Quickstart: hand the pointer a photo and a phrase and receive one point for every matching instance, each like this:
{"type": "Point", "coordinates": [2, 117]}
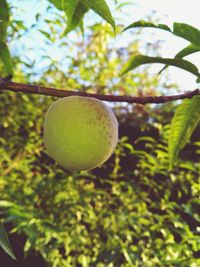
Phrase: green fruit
{"type": "Point", "coordinates": [80, 133]}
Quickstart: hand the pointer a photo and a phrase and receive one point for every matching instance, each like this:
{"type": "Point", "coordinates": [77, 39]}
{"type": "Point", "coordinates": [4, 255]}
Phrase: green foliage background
{"type": "Point", "coordinates": [129, 212]}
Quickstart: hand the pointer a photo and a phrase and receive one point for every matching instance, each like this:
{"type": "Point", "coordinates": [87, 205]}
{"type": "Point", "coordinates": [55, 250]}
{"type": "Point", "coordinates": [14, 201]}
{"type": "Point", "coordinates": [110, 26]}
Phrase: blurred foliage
{"type": "Point", "coordinates": [131, 211]}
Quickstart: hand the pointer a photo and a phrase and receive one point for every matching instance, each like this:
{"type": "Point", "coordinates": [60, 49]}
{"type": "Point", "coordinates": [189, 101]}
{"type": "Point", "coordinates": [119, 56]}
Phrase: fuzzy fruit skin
{"type": "Point", "coordinates": [80, 133]}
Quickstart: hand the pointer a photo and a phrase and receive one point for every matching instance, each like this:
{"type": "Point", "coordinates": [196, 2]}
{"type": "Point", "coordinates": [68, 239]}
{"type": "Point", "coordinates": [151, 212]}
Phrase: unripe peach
{"type": "Point", "coordinates": [80, 133]}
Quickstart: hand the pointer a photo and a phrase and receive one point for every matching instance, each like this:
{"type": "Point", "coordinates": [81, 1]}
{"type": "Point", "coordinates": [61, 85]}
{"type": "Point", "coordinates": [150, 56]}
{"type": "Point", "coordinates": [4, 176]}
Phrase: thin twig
{"type": "Point", "coordinates": [48, 91]}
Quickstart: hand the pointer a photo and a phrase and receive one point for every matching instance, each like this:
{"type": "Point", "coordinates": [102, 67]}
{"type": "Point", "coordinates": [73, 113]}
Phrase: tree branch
{"type": "Point", "coordinates": [7, 85]}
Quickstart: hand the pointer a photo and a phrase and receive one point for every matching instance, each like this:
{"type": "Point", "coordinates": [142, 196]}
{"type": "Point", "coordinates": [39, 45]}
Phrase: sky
{"type": "Point", "coordinates": [166, 11]}
{"type": "Point", "coordinates": [173, 10]}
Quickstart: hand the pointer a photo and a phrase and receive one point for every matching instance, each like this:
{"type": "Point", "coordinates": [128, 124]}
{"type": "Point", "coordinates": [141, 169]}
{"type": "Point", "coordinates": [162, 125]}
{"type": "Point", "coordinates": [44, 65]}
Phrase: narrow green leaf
{"type": "Point", "coordinates": [4, 10]}
{"type": "Point", "coordinates": [69, 6]}
{"type": "Point", "coordinates": [3, 30]}
{"type": "Point", "coordinates": [57, 4]}
{"type": "Point", "coordinates": [146, 24]}
{"type": "Point", "coordinates": [185, 120]}
{"type": "Point", "coordinates": [4, 242]}
{"type": "Point", "coordinates": [187, 32]}
{"type": "Point", "coordinates": [6, 58]}
{"type": "Point", "coordinates": [46, 34]}
{"type": "Point", "coordinates": [188, 50]}
{"type": "Point", "coordinates": [75, 10]}
{"type": "Point", "coordinates": [4, 19]}
{"type": "Point", "coordinates": [183, 30]}
{"type": "Point", "coordinates": [102, 9]}
{"type": "Point", "coordinates": [139, 60]}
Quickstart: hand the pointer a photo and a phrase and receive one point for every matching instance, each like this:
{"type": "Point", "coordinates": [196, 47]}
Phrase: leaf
{"type": "Point", "coordinates": [146, 24]}
{"type": "Point", "coordinates": [46, 34]}
{"type": "Point", "coordinates": [57, 3]}
{"type": "Point", "coordinates": [102, 9]}
{"type": "Point", "coordinates": [74, 11]}
{"type": "Point", "coordinates": [183, 30]}
{"type": "Point", "coordinates": [4, 19]}
{"type": "Point", "coordinates": [187, 32]}
{"type": "Point", "coordinates": [139, 60]}
{"type": "Point", "coordinates": [6, 58]}
{"type": "Point", "coordinates": [4, 242]}
{"type": "Point", "coordinates": [188, 50]}
{"type": "Point", "coordinates": [184, 122]}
